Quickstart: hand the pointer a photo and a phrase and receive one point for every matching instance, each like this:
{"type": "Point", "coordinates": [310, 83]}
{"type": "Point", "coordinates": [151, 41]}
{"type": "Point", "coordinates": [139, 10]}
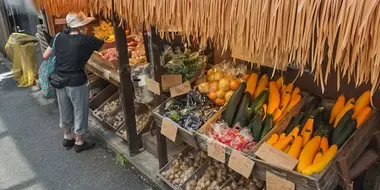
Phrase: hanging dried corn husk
{"type": "Point", "coordinates": [342, 35]}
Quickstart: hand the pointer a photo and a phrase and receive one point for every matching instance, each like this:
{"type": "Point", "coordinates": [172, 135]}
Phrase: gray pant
{"type": "Point", "coordinates": [73, 108]}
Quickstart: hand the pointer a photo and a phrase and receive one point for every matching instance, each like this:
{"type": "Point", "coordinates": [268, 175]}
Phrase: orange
{"type": "Point", "coordinates": [234, 84]}
{"type": "Point", "coordinates": [212, 95]}
{"type": "Point", "coordinates": [219, 101]}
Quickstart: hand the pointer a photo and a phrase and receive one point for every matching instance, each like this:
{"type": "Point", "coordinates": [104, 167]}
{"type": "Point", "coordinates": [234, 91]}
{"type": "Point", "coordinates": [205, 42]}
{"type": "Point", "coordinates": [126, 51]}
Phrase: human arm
{"type": "Point", "coordinates": [47, 53]}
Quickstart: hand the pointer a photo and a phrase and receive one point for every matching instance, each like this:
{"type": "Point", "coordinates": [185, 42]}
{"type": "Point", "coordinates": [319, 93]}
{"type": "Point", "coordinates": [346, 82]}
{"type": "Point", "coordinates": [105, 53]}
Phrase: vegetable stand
{"type": "Point", "coordinates": [280, 42]}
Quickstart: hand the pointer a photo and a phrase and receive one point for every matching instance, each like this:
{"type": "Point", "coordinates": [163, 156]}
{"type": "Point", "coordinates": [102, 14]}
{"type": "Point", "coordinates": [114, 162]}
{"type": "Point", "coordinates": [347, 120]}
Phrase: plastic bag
{"type": "Point", "coordinates": [20, 48]}
{"type": "Point", "coordinates": [46, 68]}
{"type": "Point", "coordinates": [138, 74]}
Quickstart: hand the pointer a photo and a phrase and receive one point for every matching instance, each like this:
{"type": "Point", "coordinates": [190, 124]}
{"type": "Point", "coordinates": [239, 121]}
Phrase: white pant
{"type": "Point", "coordinates": [73, 108]}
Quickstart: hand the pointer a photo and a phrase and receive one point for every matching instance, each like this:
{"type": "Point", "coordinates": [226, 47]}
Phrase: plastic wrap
{"type": "Point", "coordinates": [138, 74]}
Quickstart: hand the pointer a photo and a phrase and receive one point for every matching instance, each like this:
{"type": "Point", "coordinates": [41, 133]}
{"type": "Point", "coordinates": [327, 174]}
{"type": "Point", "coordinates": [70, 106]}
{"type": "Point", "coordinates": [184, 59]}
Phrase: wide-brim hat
{"type": "Point", "coordinates": [76, 20]}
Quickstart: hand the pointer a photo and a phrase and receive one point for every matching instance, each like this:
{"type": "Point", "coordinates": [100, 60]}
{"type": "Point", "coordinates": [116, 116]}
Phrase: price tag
{"type": "Point", "coordinates": [59, 21]}
{"type": "Point", "coordinates": [152, 86]}
{"type": "Point", "coordinates": [274, 156]}
{"type": "Point", "coordinates": [180, 89]}
{"type": "Point", "coordinates": [106, 74]}
{"type": "Point", "coordinates": [142, 81]}
{"type": "Point", "coordinates": [169, 129]}
{"type": "Point", "coordinates": [274, 182]}
{"type": "Point", "coordinates": [169, 81]}
{"type": "Point", "coordinates": [241, 164]}
{"type": "Point", "coordinates": [216, 150]}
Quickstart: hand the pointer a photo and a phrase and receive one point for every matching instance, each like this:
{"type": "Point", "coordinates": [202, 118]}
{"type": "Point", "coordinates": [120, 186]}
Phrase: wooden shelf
{"type": "Point", "coordinates": [103, 70]}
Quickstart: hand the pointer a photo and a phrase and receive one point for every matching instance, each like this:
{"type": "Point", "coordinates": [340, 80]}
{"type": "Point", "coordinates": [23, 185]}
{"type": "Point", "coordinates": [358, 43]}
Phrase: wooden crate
{"type": "Point", "coordinates": [199, 173]}
{"type": "Point", "coordinates": [184, 152]}
{"type": "Point", "coordinates": [329, 178]}
{"type": "Point", "coordinates": [187, 136]}
{"type": "Point", "coordinates": [284, 121]}
{"type": "Point", "coordinates": [102, 120]}
{"type": "Point", "coordinates": [102, 97]}
{"type": "Point", "coordinates": [113, 64]}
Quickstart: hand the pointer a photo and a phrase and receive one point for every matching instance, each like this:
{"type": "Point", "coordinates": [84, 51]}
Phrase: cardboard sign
{"type": "Point", "coordinates": [274, 182]}
{"type": "Point", "coordinates": [59, 21]}
{"type": "Point", "coordinates": [169, 81]}
{"type": "Point", "coordinates": [169, 129]}
{"type": "Point", "coordinates": [276, 157]}
{"type": "Point", "coordinates": [241, 164]}
{"type": "Point", "coordinates": [152, 86]}
{"type": "Point", "coordinates": [216, 150]}
{"type": "Point", "coordinates": [180, 89]}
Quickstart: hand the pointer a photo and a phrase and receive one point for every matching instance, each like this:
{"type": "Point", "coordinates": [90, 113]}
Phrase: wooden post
{"type": "Point", "coordinates": [126, 88]}
{"type": "Point", "coordinates": [155, 47]}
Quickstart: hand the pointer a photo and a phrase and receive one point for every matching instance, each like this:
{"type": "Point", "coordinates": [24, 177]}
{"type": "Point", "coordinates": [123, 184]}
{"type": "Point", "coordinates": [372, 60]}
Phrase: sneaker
{"type": "Point", "coordinates": [68, 143]}
{"type": "Point", "coordinates": [84, 146]}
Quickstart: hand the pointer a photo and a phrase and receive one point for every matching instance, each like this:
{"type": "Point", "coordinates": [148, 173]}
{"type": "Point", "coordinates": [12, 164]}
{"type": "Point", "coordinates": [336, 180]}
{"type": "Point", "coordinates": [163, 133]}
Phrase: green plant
{"type": "Point", "coordinates": [121, 160]}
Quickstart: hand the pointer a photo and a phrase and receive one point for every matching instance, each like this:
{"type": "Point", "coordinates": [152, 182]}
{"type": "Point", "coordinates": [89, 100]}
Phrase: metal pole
{"type": "Point", "coordinates": [126, 87]}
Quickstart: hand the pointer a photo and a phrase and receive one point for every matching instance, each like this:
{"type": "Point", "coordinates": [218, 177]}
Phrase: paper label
{"type": "Point", "coordinates": [152, 86]}
{"type": "Point", "coordinates": [169, 129]}
{"type": "Point", "coordinates": [180, 89]}
{"type": "Point", "coordinates": [241, 164]}
{"type": "Point", "coordinates": [216, 150]}
{"type": "Point", "coordinates": [169, 81]}
{"type": "Point", "coordinates": [276, 157]}
{"type": "Point", "coordinates": [142, 81]}
{"type": "Point", "coordinates": [274, 182]}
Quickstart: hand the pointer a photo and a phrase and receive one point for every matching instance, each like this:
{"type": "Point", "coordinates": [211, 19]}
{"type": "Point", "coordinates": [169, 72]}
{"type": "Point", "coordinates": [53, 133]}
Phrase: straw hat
{"type": "Point", "coordinates": [75, 20]}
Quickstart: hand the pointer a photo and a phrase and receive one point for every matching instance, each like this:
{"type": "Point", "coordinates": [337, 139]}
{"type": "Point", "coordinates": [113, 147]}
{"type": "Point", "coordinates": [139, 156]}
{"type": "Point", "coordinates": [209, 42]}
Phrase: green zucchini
{"type": "Point", "coordinates": [326, 115]}
{"type": "Point", "coordinates": [312, 114]}
{"type": "Point", "coordinates": [242, 116]}
{"type": "Point", "coordinates": [341, 125]}
{"type": "Point", "coordinates": [345, 133]}
{"type": "Point", "coordinates": [258, 103]}
{"type": "Point", "coordinates": [230, 112]}
{"type": "Point", "coordinates": [268, 125]}
{"type": "Point", "coordinates": [324, 130]}
{"type": "Point", "coordinates": [295, 121]}
{"type": "Point", "coordinates": [256, 127]}
{"type": "Point", "coordinates": [311, 105]}
{"type": "Point", "coordinates": [317, 121]}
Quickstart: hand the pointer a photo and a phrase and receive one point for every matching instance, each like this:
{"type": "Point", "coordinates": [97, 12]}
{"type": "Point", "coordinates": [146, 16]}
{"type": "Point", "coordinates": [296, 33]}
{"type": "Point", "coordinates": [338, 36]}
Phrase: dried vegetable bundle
{"type": "Point", "coordinates": [316, 34]}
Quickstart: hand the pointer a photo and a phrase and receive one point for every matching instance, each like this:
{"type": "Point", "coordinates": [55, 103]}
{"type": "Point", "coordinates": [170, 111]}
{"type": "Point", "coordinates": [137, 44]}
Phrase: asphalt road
{"type": "Point", "coordinates": [31, 152]}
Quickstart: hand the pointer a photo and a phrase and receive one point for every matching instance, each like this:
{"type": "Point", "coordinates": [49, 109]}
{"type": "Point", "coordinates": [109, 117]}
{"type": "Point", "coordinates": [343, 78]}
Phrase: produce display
{"type": "Point", "coordinates": [315, 135]}
{"type": "Point", "coordinates": [104, 31]}
{"type": "Point", "coordinates": [186, 63]}
{"type": "Point", "coordinates": [191, 110]}
{"type": "Point", "coordinates": [215, 175]}
{"type": "Point", "coordinates": [182, 167]}
{"type": "Point", "coordinates": [108, 109]}
{"type": "Point", "coordinates": [136, 51]}
{"type": "Point", "coordinates": [219, 176]}
{"type": "Point", "coordinates": [116, 120]}
{"type": "Point", "coordinates": [221, 81]}
{"type": "Point", "coordinates": [252, 111]}
{"type": "Point", "coordinates": [241, 183]}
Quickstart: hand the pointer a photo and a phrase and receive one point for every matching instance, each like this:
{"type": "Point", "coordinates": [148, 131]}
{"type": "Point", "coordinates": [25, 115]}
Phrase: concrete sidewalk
{"type": "Point", "coordinates": [31, 152]}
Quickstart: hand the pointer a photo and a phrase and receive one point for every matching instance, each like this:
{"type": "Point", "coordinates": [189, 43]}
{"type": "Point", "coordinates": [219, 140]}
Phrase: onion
{"type": "Point", "coordinates": [224, 84]}
{"type": "Point", "coordinates": [204, 87]}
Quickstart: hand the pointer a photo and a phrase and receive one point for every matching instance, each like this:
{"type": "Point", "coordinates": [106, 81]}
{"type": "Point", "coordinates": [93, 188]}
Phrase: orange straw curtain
{"type": "Point", "coordinates": [339, 34]}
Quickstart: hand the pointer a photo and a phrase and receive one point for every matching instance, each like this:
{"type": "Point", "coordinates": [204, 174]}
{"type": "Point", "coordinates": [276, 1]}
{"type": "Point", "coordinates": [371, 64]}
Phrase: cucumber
{"type": "Point", "coordinates": [345, 133]}
{"type": "Point", "coordinates": [268, 124]}
{"type": "Point", "coordinates": [242, 116]}
{"type": "Point", "coordinates": [295, 121]}
{"type": "Point", "coordinates": [341, 125]}
{"type": "Point", "coordinates": [230, 112]}
{"type": "Point", "coordinates": [256, 127]}
{"type": "Point", "coordinates": [258, 102]}
{"type": "Point", "coordinates": [324, 130]}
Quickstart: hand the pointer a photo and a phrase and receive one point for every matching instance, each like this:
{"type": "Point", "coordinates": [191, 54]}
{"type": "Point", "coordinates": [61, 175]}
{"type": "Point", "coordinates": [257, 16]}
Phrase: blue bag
{"type": "Point", "coordinates": [46, 68]}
